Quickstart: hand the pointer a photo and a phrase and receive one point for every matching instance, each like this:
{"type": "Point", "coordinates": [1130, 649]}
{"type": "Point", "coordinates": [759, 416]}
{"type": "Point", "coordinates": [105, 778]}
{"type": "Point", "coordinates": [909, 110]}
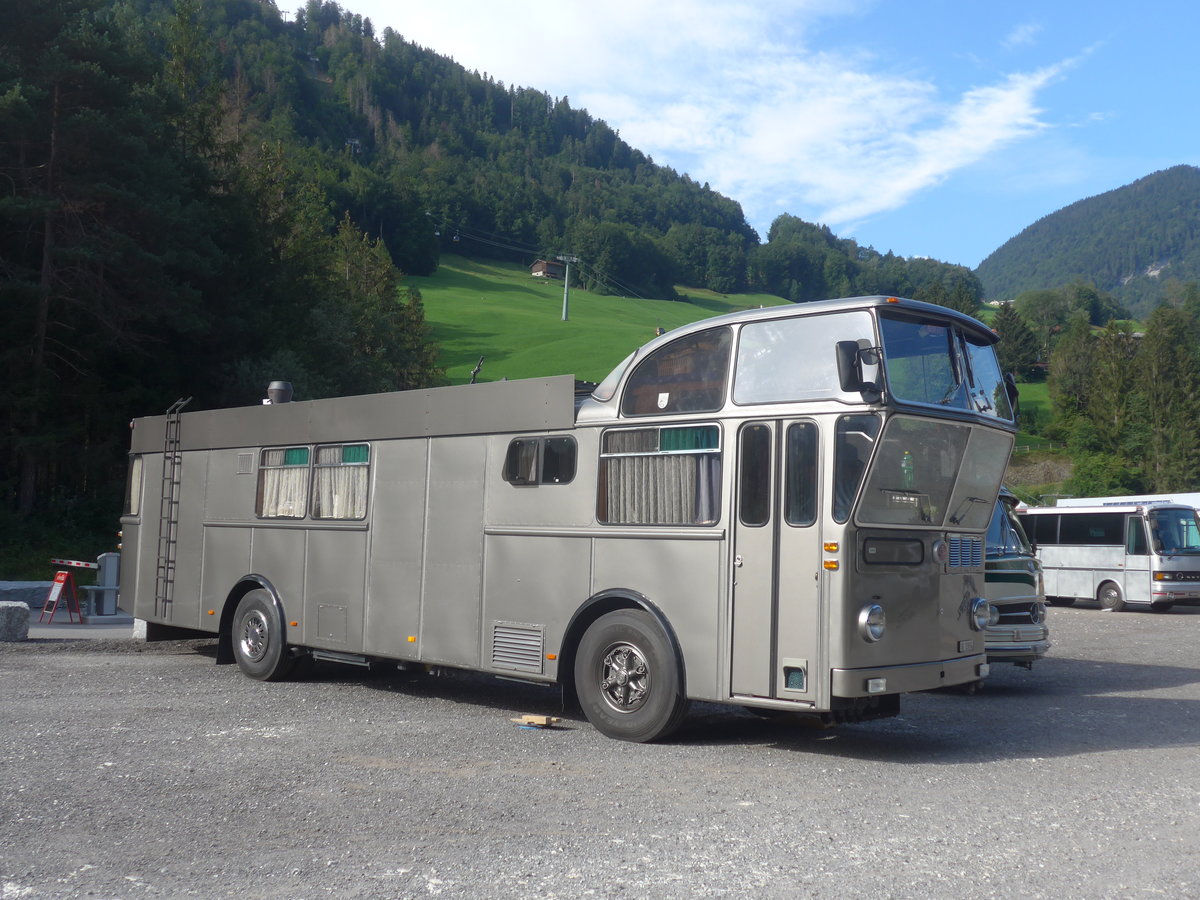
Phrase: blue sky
{"type": "Point", "coordinates": [925, 127]}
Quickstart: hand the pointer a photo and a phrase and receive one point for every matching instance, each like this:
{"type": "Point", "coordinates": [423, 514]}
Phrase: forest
{"type": "Point", "coordinates": [198, 195]}
{"type": "Point", "coordinates": [1139, 242]}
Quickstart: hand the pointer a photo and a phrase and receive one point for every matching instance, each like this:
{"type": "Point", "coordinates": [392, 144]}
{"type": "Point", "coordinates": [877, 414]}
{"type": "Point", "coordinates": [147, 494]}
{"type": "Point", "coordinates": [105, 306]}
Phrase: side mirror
{"type": "Point", "coordinates": [853, 357]}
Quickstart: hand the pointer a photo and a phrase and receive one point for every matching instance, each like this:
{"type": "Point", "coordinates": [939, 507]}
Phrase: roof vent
{"type": "Point", "coordinates": [278, 392]}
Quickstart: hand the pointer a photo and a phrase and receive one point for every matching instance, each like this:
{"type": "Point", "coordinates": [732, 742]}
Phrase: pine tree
{"type": "Point", "coordinates": [1169, 379]}
{"type": "Point", "coordinates": [1018, 348]}
{"type": "Point", "coordinates": [1070, 369]}
{"type": "Point", "coordinates": [1110, 382]}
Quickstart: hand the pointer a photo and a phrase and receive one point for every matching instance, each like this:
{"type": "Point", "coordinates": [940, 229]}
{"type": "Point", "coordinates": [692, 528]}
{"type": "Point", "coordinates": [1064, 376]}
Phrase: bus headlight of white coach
{"type": "Point", "coordinates": [872, 621]}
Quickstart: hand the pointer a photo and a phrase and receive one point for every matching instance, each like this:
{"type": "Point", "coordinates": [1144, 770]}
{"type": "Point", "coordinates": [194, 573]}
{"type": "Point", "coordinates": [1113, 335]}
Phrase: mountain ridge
{"type": "Point", "coordinates": [1133, 242]}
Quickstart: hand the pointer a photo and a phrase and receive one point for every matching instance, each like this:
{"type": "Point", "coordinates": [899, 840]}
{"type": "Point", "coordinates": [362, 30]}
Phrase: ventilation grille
{"type": "Point", "coordinates": [245, 463]}
{"type": "Point", "coordinates": [517, 648]}
{"type": "Point", "coordinates": [966, 552]}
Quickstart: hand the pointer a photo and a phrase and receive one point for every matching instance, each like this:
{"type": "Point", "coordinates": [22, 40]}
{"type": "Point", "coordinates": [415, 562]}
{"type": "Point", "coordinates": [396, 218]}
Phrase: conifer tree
{"type": "Point", "coordinates": [1018, 347]}
{"type": "Point", "coordinates": [1168, 373]}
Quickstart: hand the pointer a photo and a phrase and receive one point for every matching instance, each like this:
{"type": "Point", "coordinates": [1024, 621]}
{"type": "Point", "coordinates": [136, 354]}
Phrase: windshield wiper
{"type": "Point", "coordinates": [957, 518]}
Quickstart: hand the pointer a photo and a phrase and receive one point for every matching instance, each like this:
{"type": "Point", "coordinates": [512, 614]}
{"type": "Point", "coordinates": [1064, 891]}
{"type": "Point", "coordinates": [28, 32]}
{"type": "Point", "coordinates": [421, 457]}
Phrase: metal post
{"type": "Point", "coordinates": [567, 282]}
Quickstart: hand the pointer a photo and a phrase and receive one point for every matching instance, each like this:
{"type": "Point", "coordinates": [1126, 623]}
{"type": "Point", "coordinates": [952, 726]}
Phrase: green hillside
{"type": "Point", "coordinates": [1138, 243]}
{"type": "Point", "coordinates": [499, 311]}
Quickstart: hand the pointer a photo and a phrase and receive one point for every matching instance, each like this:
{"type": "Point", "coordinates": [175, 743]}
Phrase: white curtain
{"type": "Point", "coordinates": [671, 489]}
{"type": "Point", "coordinates": [284, 490]}
{"type": "Point", "coordinates": [340, 491]}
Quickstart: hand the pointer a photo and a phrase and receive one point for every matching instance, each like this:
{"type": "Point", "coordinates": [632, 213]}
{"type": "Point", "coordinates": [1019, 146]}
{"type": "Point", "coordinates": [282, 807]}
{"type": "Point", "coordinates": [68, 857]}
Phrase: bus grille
{"type": "Point", "coordinates": [966, 552]}
{"type": "Point", "coordinates": [517, 648]}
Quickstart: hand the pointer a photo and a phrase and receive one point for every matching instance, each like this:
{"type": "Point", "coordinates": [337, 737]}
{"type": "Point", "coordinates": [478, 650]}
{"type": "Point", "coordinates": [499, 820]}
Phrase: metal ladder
{"type": "Point", "coordinates": [168, 511]}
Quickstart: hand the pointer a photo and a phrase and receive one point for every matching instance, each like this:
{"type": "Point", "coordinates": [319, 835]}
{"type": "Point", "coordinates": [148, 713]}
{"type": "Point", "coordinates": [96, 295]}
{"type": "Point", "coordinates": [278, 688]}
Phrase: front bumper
{"type": "Point", "coordinates": [907, 679]}
{"type": "Point", "coordinates": [1017, 643]}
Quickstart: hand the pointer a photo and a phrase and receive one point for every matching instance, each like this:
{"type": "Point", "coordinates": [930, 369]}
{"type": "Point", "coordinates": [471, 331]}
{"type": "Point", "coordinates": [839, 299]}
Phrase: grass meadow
{"type": "Point", "coordinates": [499, 311]}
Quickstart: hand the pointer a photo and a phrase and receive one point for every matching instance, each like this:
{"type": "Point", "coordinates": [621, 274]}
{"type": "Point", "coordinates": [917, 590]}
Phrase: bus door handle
{"type": "Point", "coordinates": [737, 561]}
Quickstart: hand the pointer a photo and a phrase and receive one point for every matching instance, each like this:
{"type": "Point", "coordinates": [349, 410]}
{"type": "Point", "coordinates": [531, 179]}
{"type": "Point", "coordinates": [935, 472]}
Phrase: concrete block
{"type": "Point", "coordinates": [32, 593]}
{"type": "Point", "coordinates": [14, 620]}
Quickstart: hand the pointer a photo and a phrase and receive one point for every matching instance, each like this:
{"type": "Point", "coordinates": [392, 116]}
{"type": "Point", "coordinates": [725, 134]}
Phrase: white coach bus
{"type": "Point", "coordinates": [781, 508]}
{"type": "Point", "coordinates": [1119, 554]}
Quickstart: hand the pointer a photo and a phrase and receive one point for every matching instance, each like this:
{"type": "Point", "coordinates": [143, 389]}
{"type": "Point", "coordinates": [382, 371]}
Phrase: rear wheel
{"type": "Point", "coordinates": [1110, 597]}
{"type": "Point", "coordinates": [627, 678]}
{"type": "Point", "coordinates": [258, 644]}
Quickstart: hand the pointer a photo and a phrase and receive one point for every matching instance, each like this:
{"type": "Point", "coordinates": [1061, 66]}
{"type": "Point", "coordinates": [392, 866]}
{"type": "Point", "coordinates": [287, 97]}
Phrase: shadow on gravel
{"type": "Point", "coordinates": [1064, 707]}
{"type": "Point", "coordinates": [451, 685]}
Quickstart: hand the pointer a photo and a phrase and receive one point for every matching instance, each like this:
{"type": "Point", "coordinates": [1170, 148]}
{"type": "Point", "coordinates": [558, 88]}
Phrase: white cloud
{"type": "Point", "coordinates": [733, 94]}
{"type": "Point", "coordinates": [1022, 36]}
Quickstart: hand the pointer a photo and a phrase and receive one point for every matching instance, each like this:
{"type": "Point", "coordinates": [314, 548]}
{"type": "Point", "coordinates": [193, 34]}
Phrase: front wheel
{"type": "Point", "coordinates": [627, 678]}
{"type": "Point", "coordinates": [258, 644]}
{"type": "Point", "coordinates": [1110, 597]}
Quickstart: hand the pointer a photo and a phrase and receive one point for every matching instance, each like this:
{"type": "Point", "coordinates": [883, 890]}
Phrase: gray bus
{"type": "Point", "coordinates": [781, 508]}
{"type": "Point", "coordinates": [1134, 555]}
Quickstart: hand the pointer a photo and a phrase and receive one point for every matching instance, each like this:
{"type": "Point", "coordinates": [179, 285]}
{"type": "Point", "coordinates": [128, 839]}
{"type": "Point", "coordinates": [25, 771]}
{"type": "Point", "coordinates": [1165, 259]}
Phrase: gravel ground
{"type": "Point", "coordinates": [132, 770]}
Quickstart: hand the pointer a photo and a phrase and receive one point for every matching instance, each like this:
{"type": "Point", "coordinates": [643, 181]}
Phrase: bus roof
{"type": "Point", "coordinates": [532, 404]}
{"type": "Point", "coordinates": [1112, 508]}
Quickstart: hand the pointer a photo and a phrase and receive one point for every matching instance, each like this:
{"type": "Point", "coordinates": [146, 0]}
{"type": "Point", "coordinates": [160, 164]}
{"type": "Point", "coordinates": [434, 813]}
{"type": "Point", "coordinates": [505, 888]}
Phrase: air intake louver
{"type": "Point", "coordinates": [517, 647]}
{"type": "Point", "coordinates": [966, 552]}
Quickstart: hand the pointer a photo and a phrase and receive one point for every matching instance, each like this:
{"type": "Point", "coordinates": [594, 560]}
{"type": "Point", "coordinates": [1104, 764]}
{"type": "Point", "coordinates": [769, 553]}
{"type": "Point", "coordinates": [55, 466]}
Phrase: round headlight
{"type": "Point", "coordinates": [981, 612]}
{"type": "Point", "coordinates": [993, 615]}
{"type": "Point", "coordinates": [941, 552]}
{"type": "Point", "coordinates": [871, 622]}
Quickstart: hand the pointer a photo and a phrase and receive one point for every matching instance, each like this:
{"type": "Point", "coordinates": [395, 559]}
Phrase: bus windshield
{"type": "Point", "coordinates": [934, 362]}
{"type": "Point", "coordinates": [926, 472]}
{"type": "Point", "coordinates": [1174, 531]}
{"type": "Point", "coordinates": [1005, 536]}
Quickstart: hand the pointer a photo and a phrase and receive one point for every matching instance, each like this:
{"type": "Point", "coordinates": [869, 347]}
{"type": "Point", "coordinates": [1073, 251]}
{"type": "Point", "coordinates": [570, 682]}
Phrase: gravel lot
{"type": "Point", "coordinates": [132, 770]}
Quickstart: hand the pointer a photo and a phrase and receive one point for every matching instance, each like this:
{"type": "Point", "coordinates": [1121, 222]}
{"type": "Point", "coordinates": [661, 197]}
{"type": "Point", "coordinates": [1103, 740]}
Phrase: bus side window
{"type": "Point", "coordinates": [754, 485]}
{"type": "Point", "coordinates": [687, 375]}
{"type": "Point", "coordinates": [1135, 537]}
{"type": "Point", "coordinates": [133, 487]}
{"type": "Point", "coordinates": [283, 475]}
{"type": "Point", "coordinates": [341, 481]}
{"type": "Point", "coordinates": [855, 435]}
{"type": "Point", "coordinates": [540, 461]}
{"type": "Point", "coordinates": [801, 477]}
{"type": "Point", "coordinates": [668, 475]}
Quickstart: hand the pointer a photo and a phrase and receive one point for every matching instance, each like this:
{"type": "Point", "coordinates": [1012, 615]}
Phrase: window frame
{"type": "Point", "coordinates": [708, 476]}
{"type": "Point", "coordinates": [264, 468]}
{"type": "Point", "coordinates": [318, 467]}
{"type": "Point", "coordinates": [714, 375]}
{"type": "Point", "coordinates": [541, 444]}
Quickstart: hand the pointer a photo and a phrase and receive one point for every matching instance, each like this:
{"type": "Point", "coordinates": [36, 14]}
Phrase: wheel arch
{"type": "Point", "coordinates": [599, 605]}
{"type": "Point", "coordinates": [245, 585]}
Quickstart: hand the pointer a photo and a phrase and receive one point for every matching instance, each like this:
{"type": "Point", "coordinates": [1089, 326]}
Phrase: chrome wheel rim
{"type": "Point", "coordinates": [253, 640]}
{"type": "Point", "coordinates": [624, 678]}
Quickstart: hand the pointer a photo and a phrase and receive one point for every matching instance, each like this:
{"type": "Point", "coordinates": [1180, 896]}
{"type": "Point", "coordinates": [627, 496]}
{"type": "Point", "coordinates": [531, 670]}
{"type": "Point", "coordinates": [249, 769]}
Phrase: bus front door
{"type": "Point", "coordinates": [776, 566]}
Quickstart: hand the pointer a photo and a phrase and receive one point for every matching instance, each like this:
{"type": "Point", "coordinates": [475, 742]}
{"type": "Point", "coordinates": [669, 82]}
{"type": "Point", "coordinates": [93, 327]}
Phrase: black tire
{"type": "Point", "coordinates": [627, 678]}
{"type": "Point", "coordinates": [1110, 597]}
{"type": "Point", "coordinates": [1061, 601]}
{"type": "Point", "coordinates": [258, 638]}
